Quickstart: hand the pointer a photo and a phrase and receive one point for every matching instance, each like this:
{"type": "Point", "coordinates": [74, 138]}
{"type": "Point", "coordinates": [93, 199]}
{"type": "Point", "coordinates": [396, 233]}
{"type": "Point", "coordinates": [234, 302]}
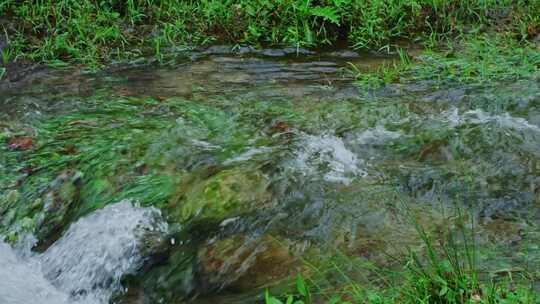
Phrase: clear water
{"type": "Point", "coordinates": [329, 167]}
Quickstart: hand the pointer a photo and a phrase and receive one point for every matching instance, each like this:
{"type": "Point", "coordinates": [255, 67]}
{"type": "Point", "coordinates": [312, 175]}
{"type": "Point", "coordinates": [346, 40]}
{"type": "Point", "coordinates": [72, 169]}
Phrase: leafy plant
{"type": "Point", "coordinates": [303, 297]}
{"type": "Point", "coordinates": [96, 32]}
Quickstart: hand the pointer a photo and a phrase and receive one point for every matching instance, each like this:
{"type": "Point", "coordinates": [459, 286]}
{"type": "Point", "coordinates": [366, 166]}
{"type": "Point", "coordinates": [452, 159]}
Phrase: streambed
{"type": "Point", "coordinates": [238, 167]}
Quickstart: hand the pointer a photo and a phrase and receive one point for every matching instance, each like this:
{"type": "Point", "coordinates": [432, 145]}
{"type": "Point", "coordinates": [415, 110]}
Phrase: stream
{"type": "Point", "coordinates": [222, 172]}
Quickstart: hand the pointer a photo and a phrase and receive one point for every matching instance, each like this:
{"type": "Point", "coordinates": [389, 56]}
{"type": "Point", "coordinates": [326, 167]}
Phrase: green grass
{"type": "Point", "coordinates": [470, 59]}
{"type": "Point", "coordinates": [444, 271]}
{"type": "Point", "coordinates": [95, 32]}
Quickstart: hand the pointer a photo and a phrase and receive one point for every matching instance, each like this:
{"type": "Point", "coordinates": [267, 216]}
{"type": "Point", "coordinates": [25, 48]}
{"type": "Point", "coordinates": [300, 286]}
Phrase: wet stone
{"type": "Point", "coordinates": [344, 54]}
{"type": "Point", "coordinates": [243, 50]}
{"type": "Point", "coordinates": [242, 263]}
{"type": "Point", "coordinates": [285, 52]}
{"type": "Point", "coordinates": [60, 202]}
{"type": "Point", "coordinates": [273, 53]}
{"type": "Point", "coordinates": [226, 194]}
{"type": "Point", "coordinates": [218, 50]}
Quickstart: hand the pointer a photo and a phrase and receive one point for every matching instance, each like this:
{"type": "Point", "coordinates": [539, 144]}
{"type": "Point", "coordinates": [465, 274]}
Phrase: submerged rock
{"type": "Point", "coordinates": [60, 201]}
{"type": "Point", "coordinates": [8, 200]}
{"type": "Point", "coordinates": [242, 263]}
{"type": "Point", "coordinates": [228, 193]}
{"type": "Point", "coordinates": [172, 281]}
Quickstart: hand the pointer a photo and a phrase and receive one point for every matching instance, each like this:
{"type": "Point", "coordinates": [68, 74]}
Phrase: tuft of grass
{"type": "Point", "coordinates": [443, 272]}
{"type": "Point", "coordinates": [384, 74]}
{"type": "Point", "coordinates": [472, 59]}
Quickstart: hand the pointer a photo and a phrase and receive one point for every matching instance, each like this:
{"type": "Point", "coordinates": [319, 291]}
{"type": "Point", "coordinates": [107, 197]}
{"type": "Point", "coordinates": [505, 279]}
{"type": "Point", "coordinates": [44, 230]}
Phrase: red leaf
{"type": "Point", "coordinates": [21, 143]}
{"type": "Point", "coordinates": [281, 126]}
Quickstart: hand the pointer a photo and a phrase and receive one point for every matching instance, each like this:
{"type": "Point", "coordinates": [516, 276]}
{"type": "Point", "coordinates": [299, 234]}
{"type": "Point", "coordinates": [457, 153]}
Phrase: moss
{"type": "Point", "coordinates": [228, 193]}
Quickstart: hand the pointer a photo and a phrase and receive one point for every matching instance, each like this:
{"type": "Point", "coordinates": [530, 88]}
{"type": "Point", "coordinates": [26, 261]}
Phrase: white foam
{"type": "Point", "coordinates": [247, 155]}
{"type": "Point", "coordinates": [479, 116]}
{"type": "Point", "coordinates": [327, 154]}
{"type": "Point", "coordinates": [23, 283]}
{"type": "Point", "coordinates": [374, 136]}
{"type": "Point", "coordinates": [86, 264]}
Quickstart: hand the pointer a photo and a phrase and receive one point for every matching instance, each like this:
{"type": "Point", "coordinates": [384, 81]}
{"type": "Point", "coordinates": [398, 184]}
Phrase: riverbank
{"type": "Point", "coordinates": [96, 33]}
{"type": "Point", "coordinates": [338, 171]}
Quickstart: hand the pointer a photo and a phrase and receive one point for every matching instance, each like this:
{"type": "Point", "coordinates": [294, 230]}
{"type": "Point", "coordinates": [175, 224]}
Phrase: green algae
{"type": "Point", "coordinates": [203, 160]}
{"type": "Point", "coordinates": [226, 194]}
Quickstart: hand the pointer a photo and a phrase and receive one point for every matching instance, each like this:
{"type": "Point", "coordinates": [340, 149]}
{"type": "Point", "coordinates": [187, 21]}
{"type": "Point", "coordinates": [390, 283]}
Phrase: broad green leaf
{"type": "Point", "coordinates": [327, 13]}
{"type": "Point", "coordinates": [290, 299]}
{"type": "Point", "coordinates": [301, 286]}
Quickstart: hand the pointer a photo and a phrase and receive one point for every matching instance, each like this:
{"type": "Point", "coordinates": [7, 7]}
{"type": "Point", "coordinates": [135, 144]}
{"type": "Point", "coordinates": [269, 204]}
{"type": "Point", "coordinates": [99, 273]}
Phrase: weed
{"type": "Point", "coordinates": [445, 272]}
{"type": "Point", "coordinates": [95, 32]}
{"type": "Point", "coordinates": [472, 59]}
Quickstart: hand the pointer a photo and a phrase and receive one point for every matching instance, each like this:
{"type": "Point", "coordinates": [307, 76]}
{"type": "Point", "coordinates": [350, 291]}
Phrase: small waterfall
{"type": "Point", "coordinates": [85, 265]}
{"type": "Point", "coordinates": [22, 281]}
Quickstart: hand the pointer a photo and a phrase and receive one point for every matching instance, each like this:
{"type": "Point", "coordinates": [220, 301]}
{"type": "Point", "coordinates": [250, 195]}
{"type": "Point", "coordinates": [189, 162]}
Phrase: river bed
{"type": "Point", "coordinates": [220, 173]}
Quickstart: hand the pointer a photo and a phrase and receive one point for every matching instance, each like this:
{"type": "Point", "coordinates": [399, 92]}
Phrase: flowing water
{"type": "Point", "coordinates": [86, 264]}
{"type": "Point", "coordinates": [221, 172]}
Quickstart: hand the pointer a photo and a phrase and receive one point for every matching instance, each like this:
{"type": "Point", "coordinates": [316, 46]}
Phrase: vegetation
{"type": "Point", "coordinates": [188, 157]}
{"type": "Point", "coordinates": [471, 59]}
{"type": "Point", "coordinates": [94, 32]}
{"type": "Point", "coordinates": [445, 272]}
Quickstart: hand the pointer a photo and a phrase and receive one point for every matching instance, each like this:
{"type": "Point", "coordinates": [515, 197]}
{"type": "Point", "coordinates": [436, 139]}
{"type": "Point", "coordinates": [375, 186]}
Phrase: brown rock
{"type": "Point", "coordinates": [242, 263]}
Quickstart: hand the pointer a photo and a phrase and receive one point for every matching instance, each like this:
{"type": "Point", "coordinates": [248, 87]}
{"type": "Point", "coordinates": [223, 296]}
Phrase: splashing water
{"type": "Point", "coordinates": [23, 283]}
{"type": "Point", "coordinates": [84, 266]}
{"type": "Point", "coordinates": [374, 136]}
{"type": "Point", "coordinates": [477, 116]}
{"type": "Point", "coordinates": [329, 154]}
{"type": "Point", "coordinates": [247, 155]}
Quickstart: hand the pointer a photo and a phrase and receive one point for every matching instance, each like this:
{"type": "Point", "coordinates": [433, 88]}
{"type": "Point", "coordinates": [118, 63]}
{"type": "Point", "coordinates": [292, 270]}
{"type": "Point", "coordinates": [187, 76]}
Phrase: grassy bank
{"type": "Point", "coordinates": [444, 271]}
{"type": "Point", "coordinates": [95, 32]}
{"type": "Point", "coordinates": [470, 59]}
{"type": "Point", "coordinates": [108, 148]}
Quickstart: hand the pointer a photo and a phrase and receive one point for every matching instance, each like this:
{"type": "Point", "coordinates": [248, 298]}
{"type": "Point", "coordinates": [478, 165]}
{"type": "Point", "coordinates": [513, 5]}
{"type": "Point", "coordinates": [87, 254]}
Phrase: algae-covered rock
{"type": "Point", "coordinates": [226, 194]}
{"type": "Point", "coordinates": [238, 263]}
{"type": "Point", "coordinates": [8, 200]}
{"type": "Point", "coordinates": [243, 263]}
{"type": "Point", "coordinates": [45, 214]}
{"type": "Point", "coordinates": [60, 201]}
{"type": "Point", "coordinates": [173, 280]}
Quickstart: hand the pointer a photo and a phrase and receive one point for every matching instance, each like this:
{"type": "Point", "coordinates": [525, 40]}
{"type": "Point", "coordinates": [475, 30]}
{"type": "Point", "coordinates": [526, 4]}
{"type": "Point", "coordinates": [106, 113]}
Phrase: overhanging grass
{"type": "Point", "coordinates": [97, 31]}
